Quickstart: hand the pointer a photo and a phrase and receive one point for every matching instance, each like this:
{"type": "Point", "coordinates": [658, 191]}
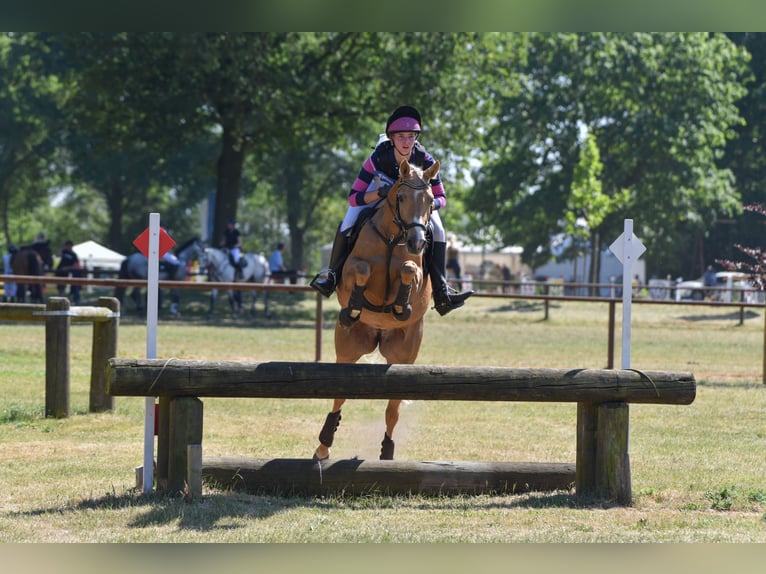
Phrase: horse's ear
{"type": "Point", "coordinates": [404, 168]}
{"type": "Point", "coordinates": [431, 172]}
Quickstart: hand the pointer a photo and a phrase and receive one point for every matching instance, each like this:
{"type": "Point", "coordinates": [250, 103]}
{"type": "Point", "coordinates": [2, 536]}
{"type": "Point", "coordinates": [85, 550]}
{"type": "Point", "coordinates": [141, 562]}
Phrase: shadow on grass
{"type": "Point", "coordinates": [217, 509]}
{"type": "Point", "coordinates": [733, 316]}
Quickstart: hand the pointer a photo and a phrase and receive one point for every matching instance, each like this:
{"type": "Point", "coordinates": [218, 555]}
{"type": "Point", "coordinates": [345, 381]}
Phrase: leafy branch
{"type": "Point", "coordinates": [756, 267]}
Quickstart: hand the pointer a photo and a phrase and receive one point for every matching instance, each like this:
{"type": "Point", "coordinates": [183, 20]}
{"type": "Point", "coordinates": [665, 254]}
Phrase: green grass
{"type": "Point", "coordinates": [698, 470]}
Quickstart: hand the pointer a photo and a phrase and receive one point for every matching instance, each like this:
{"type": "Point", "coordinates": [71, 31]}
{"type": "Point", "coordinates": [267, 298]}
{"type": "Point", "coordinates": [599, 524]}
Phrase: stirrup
{"type": "Point", "coordinates": [446, 301]}
{"type": "Point", "coordinates": [324, 284]}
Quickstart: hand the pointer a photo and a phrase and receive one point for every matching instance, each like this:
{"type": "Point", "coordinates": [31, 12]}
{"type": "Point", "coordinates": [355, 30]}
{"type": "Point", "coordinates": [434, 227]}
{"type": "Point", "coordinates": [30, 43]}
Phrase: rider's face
{"type": "Point", "coordinates": [404, 141]}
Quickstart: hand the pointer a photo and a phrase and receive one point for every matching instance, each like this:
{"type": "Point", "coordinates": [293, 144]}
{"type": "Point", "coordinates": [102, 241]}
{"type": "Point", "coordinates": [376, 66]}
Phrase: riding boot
{"type": "Point", "coordinates": [326, 281]}
{"type": "Point", "coordinates": [444, 300]}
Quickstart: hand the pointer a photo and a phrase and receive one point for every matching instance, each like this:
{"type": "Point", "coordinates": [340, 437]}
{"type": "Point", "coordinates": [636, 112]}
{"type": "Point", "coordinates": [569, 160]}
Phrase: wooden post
{"type": "Point", "coordinates": [194, 471]}
{"type": "Point", "coordinates": [104, 348]}
{"type": "Point", "coordinates": [612, 458]}
{"type": "Point", "coordinates": [585, 464]}
{"type": "Point", "coordinates": [185, 429]}
{"type": "Point", "coordinates": [163, 443]}
{"type": "Point", "coordinates": [57, 358]}
{"type": "Point", "coordinates": [610, 342]}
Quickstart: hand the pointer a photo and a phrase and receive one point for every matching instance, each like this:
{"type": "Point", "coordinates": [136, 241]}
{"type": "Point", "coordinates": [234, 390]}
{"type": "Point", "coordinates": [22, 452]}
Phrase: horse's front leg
{"type": "Point", "coordinates": [351, 313]}
{"type": "Point", "coordinates": [327, 434]}
{"type": "Point", "coordinates": [402, 308]}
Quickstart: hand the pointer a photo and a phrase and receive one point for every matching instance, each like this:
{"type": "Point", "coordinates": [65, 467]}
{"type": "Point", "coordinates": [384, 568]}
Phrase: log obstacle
{"type": "Point", "coordinates": [58, 316]}
{"type": "Point", "coordinates": [293, 476]}
{"type": "Point", "coordinates": [601, 470]}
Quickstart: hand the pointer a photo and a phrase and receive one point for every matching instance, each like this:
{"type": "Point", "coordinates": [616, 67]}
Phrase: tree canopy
{"type": "Point", "coordinates": [535, 131]}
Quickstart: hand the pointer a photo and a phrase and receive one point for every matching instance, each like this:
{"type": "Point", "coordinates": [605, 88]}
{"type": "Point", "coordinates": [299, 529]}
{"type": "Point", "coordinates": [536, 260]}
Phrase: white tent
{"type": "Point", "coordinates": [95, 256]}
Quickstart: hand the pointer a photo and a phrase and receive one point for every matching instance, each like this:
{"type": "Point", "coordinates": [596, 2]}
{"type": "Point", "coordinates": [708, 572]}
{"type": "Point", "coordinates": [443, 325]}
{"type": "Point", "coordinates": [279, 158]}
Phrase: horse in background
{"type": "Point", "coordinates": [34, 259]}
{"type": "Point", "coordinates": [384, 291]}
{"type": "Point", "coordinates": [219, 268]}
{"type": "Point", "coordinates": [136, 266]}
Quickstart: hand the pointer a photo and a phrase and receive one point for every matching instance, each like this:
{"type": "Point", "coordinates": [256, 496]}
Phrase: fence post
{"type": "Point", "coordinates": [57, 357]}
{"type": "Point", "coordinates": [185, 429]}
{"type": "Point", "coordinates": [104, 348]}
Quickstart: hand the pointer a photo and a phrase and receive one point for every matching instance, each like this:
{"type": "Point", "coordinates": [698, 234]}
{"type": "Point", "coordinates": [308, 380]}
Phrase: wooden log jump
{"type": "Point", "coordinates": [296, 476]}
{"type": "Point", "coordinates": [58, 316]}
{"type": "Point", "coordinates": [602, 468]}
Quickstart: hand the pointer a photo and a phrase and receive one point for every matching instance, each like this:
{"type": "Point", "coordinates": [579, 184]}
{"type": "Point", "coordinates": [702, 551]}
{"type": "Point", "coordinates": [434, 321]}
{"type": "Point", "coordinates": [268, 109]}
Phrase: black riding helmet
{"type": "Point", "coordinates": [404, 119]}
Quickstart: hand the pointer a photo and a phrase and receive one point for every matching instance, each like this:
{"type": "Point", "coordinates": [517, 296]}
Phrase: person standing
{"type": "Point", "coordinates": [279, 272]}
{"type": "Point", "coordinates": [69, 264]}
{"type": "Point", "coordinates": [453, 260]}
{"type": "Point", "coordinates": [9, 289]}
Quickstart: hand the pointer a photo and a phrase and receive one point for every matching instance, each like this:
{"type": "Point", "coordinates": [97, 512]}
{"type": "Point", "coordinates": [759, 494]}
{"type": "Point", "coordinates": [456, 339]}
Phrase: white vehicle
{"type": "Point", "coordinates": [729, 286]}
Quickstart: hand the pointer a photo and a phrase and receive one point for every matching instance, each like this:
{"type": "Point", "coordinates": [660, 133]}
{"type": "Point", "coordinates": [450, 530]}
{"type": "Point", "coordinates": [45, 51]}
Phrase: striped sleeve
{"type": "Point", "coordinates": [362, 182]}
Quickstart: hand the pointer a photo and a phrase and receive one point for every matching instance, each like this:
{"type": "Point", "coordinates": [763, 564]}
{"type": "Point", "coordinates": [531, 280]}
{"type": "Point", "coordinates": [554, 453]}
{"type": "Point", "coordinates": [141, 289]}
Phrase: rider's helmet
{"type": "Point", "coordinates": [404, 119]}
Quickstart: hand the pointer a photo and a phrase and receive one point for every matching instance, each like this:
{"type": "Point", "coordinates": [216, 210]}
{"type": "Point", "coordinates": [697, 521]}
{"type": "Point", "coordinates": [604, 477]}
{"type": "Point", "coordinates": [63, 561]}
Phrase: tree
{"type": "Point", "coordinates": [30, 100]}
{"type": "Point", "coordinates": [661, 107]}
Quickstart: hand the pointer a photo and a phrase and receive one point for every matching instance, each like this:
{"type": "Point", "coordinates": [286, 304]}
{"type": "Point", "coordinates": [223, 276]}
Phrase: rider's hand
{"type": "Point", "coordinates": [383, 191]}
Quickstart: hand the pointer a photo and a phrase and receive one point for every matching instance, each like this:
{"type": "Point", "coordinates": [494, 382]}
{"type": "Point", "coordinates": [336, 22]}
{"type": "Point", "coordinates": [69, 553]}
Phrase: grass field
{"type": "Point", "coordinates": [699, 471]}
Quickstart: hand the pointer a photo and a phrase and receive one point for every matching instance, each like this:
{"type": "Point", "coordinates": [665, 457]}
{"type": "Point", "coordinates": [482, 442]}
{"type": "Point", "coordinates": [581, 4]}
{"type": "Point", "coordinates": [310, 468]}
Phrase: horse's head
{"type": "Point", "coordinates": [411, 201]}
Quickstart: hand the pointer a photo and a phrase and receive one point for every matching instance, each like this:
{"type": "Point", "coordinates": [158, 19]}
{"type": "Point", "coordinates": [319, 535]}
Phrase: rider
{"type": "Point", "coordinates": [379, 170]}
{"type": "Point", "coordinates": [233, 242]}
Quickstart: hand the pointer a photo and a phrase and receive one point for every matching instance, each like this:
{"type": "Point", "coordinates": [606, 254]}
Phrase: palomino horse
{"type": "Point", "coordinates": [136, 266]}
{"type": "Point", "coordinates": [220, 269]}
{"type": "Point", "coordinates": [33, 259]}
{"type": "Point", "coordinates": [384, 292]}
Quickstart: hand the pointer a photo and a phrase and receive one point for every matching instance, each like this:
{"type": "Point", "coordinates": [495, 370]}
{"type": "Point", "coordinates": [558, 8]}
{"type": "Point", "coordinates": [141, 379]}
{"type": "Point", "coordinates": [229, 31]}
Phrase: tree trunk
{"type": "Point", "coordinates": [115, 235]}
{"type": "Point", "coordinates": [229, 181]}
{"type": "Point", "coordinates": [595, 261]}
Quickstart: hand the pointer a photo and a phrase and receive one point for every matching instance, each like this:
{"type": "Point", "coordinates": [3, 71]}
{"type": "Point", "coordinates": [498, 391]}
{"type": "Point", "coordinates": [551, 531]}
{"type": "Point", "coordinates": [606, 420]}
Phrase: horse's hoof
{"type": "Point", "coordinates": [404, 315]}
{"type": "Point", "coordinates": [387, 448]}
{"type": "Point", "coordinates": [346, 319]}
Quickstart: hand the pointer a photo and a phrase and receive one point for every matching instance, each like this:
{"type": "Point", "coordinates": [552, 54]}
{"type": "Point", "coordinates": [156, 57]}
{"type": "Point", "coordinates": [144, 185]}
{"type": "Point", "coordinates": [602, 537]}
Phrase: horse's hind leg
{"type": "Point", "coordinates": [392, 417]}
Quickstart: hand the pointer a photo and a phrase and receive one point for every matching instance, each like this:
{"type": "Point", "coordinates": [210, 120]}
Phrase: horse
{"type": "Point", "coordinates": [384, 292]}
{"type": "Point", "coordinates": [34, 259]}
{"type": "Point", "coordinates": [220, 269]}
{"type": "Point", "coordinates": [136, 266]}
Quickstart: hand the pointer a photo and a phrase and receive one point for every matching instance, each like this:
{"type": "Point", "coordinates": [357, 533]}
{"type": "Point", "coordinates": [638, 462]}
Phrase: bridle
{"type": "Point", "coordinates": [404, 226]}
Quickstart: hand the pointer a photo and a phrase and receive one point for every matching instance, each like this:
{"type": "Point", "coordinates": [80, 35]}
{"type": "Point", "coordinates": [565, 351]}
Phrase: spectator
{"type": "Point", "coordinates": [69, 264]}
{"type": "Point", "coordinates": [277, 266]}
{"type": "Point", "coordinates": [453, 260]}
{"type": "Point", "coordinates": [9, 289]}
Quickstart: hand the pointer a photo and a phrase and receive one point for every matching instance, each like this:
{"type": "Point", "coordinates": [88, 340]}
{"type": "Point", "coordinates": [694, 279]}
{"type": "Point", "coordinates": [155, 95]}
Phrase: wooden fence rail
{"type": "Point", "coordinates": [57, 316]}
{"type": "Point", "coordinates": [602, 467]}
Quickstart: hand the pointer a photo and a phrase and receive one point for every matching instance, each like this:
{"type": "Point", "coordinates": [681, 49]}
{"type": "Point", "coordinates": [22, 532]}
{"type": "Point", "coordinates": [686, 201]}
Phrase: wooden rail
{"type": "Point", "coordinates": [602, 468]}
{"type": "Point", "coordinates": [57, 316]}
